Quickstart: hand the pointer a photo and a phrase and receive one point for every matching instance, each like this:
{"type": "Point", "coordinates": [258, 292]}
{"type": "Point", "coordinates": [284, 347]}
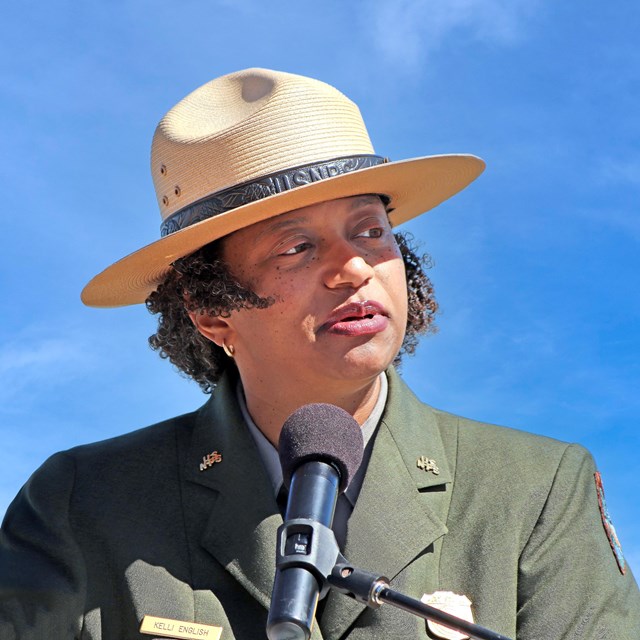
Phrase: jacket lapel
{"type": "Point", "coordinates": [240, 531]}
{"type": "Point", "coordinates": [402, 506]}
{"type": "Point", "coordinates": [240, 528]}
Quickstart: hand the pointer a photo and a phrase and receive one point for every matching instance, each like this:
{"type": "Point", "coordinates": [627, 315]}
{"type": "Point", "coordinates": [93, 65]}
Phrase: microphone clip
{"type": "Point", "coordinates": [310, 545]}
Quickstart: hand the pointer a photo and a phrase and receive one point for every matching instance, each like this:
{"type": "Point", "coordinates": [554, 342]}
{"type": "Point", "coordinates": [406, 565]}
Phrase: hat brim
{"type": "Point", "coordinates": [414, 187]}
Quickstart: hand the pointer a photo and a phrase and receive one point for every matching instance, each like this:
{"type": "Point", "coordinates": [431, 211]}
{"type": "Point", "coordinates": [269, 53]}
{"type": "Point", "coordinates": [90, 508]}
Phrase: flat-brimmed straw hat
{"type": "Point", "coordinates": [255, 144]}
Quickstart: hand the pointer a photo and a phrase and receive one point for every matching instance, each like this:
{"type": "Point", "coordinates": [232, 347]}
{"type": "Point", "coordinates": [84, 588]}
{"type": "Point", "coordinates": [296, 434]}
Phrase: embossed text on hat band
{"type": "Point", "coordinates": [269, 185]}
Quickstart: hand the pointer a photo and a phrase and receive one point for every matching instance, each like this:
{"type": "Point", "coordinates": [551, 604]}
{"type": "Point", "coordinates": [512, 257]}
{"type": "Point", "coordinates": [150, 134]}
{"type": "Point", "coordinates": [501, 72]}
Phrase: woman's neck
{"type": "Point", "coordinates": [269, 411]}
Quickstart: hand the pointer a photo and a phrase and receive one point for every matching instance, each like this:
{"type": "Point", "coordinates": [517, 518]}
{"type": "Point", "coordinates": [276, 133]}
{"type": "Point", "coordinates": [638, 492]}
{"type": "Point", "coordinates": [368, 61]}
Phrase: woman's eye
{"type": "Point", "coordinates": [298, 248]}
{"type": "Point", "coordinates": [374, 232]}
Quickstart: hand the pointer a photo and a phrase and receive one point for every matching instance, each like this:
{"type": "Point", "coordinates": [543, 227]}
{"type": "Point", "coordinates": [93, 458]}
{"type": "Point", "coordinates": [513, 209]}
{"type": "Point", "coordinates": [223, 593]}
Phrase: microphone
{"type": "Point", "coordinates": [321, 449]}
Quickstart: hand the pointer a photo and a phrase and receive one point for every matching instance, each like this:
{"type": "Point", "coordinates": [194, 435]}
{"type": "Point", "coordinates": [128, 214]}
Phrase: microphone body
{"type": "Point", "coordinates": [320, 450]}
{"type": "Point", "coordinates": [304, 552]}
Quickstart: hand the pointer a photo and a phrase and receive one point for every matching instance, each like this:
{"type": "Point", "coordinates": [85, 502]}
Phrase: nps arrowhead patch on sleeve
{"type": "Point", "coordinates": [608, 525]}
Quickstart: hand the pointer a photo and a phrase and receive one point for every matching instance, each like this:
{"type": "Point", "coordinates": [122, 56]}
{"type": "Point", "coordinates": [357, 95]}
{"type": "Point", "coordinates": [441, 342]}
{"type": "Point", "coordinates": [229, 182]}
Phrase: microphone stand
{"type": "Point", "coordinates": [310, 549]}
{"type": "Point", "coordinates": [373, 590]}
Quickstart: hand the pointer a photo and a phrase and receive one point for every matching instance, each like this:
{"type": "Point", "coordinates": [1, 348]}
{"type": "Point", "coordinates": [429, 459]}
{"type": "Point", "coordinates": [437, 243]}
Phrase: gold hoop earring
{"type": "Point", "coordinates": [229, 350]}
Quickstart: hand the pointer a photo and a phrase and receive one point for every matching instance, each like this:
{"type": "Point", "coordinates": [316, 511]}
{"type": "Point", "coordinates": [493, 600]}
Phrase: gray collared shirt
{"type": "Point", "coordinates": [271, 461]}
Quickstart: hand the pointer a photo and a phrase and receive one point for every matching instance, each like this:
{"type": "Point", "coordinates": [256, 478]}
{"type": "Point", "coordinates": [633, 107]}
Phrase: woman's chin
{"type": "Point", "coordinates": [365, 361]}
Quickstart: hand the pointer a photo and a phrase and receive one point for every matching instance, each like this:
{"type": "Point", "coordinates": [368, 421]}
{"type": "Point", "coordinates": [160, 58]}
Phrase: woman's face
{"type": "Point", "coordinates": [338, 283]}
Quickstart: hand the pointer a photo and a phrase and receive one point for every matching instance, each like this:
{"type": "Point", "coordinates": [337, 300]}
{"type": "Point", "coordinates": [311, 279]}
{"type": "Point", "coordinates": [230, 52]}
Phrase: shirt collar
{"type": "Point", "coordinates": [269, 454]}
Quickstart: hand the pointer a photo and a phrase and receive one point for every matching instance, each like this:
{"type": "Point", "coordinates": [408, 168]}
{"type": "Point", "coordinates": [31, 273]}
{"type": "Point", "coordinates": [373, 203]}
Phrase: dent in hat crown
{"type": "Point", "coordinates": [246, 125]}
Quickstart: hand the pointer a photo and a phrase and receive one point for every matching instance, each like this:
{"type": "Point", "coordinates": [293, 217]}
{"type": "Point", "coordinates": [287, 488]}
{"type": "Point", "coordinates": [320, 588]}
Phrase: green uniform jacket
{"type": "Point", "coordinates": [103, 534]}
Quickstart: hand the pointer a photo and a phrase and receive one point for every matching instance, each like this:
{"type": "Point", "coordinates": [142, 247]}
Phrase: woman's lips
{"type": "Point", "coordinates": [357, 319]}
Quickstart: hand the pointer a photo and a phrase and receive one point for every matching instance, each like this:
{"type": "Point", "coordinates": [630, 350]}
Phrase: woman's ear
{"type": "Point", "coordinates": [213, 328]}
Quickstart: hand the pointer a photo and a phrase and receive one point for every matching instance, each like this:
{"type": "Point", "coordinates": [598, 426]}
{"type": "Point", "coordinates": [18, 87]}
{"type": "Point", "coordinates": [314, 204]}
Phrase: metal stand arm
{"type": "Point", "coordinates": [373, 590]}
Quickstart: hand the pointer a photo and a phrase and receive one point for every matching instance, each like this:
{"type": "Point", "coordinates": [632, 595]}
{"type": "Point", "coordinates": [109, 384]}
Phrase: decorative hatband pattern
{"type": "Point", "coordinates": [269, 185]}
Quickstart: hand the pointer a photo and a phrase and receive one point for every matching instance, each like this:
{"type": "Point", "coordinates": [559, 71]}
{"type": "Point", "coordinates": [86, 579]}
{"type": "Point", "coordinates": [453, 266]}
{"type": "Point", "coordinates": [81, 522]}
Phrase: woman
{"type": "Point", "coordinates": [279, 282]}
{"type": "Point", "coordinates": [325, 315]}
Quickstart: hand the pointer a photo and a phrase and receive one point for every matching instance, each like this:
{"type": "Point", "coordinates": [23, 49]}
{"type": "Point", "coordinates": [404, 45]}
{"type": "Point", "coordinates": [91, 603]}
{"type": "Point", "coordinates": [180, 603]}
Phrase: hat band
{"type": "Point", "coordinates": [269, 185]}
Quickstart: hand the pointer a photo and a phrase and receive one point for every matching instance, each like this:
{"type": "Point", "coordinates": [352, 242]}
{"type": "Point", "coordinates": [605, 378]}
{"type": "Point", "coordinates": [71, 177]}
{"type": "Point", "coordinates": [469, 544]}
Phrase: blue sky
{"type": "Point", "coordinates": [536, 264]}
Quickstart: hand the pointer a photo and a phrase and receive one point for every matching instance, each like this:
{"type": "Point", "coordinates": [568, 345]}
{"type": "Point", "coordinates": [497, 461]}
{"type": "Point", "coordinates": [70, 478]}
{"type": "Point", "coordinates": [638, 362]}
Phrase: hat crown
{"type": "Point", "coordinates": [246, 125]}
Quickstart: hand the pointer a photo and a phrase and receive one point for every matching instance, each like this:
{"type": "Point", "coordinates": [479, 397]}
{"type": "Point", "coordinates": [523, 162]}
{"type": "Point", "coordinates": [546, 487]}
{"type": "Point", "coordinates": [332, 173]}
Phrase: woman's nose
{"type": "Point", "coordinates": [348, 270]}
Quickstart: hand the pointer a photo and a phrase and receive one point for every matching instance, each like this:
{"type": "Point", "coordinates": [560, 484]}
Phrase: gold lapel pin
{"type": "Point", "coordinates": [210, 459]}
{"type": "Point", "coordinates": [427, 464]}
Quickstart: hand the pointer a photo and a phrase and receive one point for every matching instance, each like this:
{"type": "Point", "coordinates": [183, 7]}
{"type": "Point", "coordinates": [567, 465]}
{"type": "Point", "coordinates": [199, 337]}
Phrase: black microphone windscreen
{"type": "Point", "coordinates": [321, 432]}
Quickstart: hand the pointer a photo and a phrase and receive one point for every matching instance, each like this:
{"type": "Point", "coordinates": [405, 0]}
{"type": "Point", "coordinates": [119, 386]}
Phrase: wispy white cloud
{"type": "Point", "coordinates": [30, 359]}
{"type": "Point", "coordinates": [621, 220]}
{"type": "Point", "coordinates": [16, 359]}
{"type": "Point", "coordinates": [407, 31]}
{"type": "Point", "coordinates": [620, 171]}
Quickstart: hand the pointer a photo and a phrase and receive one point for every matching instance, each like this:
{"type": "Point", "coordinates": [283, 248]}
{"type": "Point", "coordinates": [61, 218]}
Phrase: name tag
{"type": "Point", "coordinates": [168, 628]}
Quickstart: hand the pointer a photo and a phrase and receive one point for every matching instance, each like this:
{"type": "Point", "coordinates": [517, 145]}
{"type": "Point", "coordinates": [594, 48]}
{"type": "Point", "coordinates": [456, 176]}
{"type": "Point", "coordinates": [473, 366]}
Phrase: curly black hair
{"type": "Point", "coordinates": [203, 283]}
